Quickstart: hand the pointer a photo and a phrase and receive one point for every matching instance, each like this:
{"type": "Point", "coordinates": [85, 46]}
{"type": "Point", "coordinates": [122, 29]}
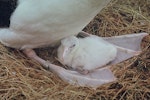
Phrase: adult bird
{"type": "Point", "coordinates": [40, 23]}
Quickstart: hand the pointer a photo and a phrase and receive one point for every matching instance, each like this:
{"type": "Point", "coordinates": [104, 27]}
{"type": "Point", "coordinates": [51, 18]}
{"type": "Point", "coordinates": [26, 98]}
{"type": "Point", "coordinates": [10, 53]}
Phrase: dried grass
{"type": "Point", "coordinates": [24, 79]}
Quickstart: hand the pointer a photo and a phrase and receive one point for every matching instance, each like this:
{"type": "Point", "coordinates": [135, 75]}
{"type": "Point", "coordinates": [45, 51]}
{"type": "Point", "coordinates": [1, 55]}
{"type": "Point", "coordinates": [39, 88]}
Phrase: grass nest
{"type": "Point", "coordinates": [24, 79]}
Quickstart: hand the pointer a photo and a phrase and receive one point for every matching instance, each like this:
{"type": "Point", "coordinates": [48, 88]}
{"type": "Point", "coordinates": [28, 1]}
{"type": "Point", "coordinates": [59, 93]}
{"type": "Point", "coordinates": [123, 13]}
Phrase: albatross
{"type": "Point", "coordinates": [41, 23]}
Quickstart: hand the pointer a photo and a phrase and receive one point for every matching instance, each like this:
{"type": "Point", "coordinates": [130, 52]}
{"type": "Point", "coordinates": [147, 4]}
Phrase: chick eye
{"type": "Point", "coordinates": [73, 46]}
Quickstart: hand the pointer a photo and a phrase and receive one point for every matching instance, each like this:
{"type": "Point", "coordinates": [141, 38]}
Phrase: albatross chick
{"type": "Point", "coordinates": [86, 54]}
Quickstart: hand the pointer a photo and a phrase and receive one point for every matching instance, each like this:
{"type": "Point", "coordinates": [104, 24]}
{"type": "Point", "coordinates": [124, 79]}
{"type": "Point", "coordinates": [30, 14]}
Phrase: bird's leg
{"type": "Point", "coordinates": [31, 54]}
{"type": "Point", "coordinates": [46, 64]}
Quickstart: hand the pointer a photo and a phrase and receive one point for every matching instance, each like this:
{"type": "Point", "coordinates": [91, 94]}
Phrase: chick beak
{"type": "Point", "coordinates": [65, 52]}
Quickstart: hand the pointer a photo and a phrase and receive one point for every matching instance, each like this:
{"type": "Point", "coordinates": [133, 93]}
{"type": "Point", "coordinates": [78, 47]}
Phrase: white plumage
{"type": "Point", "coordinates": [38, 23]}
{"type": "Point", "coordinates": [86, 54]}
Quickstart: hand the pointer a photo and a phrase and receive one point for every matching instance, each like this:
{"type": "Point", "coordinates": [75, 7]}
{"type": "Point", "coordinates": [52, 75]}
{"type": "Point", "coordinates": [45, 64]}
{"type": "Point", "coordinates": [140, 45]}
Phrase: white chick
{"type": "Point", "coordinates": [86, 54]}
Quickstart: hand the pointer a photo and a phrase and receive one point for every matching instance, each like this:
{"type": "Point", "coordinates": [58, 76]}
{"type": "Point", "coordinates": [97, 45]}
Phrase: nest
{"type": "Point", "coordinates": [24, 79]}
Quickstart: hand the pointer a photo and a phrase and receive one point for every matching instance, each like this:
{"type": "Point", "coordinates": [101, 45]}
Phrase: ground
{"type": "Point", "coordinates": [24, 79]}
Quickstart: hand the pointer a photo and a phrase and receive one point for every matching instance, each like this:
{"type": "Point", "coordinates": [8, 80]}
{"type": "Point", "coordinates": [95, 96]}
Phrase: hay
{"type": "Point", "coordinates": [24, 79]}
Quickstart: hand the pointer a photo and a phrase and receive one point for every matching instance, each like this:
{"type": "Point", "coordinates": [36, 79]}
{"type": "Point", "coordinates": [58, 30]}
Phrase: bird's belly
{"type": "Point", "coordinates": [48, 32]}
{"type": "Point", "coordinates": [47, 26]}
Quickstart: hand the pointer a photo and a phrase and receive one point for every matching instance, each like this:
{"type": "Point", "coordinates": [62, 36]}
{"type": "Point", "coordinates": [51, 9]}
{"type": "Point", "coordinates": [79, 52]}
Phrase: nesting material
{"type": "Point", "coordinates": [24, 79]}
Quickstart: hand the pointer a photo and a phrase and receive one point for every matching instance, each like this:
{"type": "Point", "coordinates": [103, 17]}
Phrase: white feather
{"type": "Point", "coordinates": [90, 53]}
{"type": "Point", "coordinates": [39, 23]}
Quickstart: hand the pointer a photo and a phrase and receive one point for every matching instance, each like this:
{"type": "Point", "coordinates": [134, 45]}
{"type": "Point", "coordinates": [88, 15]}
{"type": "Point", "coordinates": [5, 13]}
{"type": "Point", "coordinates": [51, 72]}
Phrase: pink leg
{"type": "Point", "coordinates": [46, 64]}
{"type": "Point", "coordinates": [31, 54]}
